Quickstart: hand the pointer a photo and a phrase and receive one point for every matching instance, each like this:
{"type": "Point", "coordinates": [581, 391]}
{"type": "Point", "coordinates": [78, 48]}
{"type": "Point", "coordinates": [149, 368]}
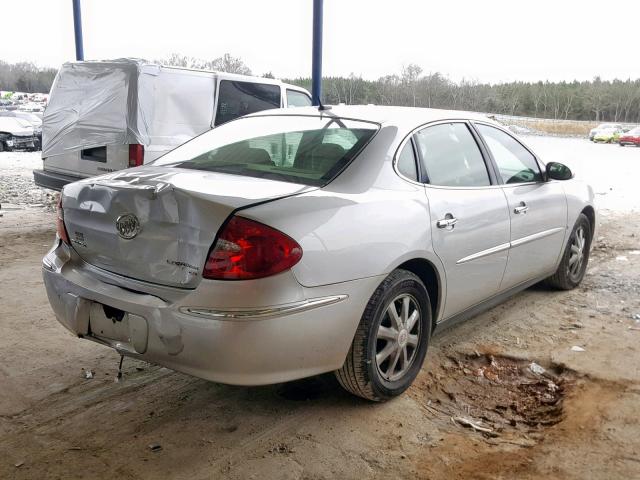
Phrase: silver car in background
{"type": "Point", "coordinates": [287, 244]}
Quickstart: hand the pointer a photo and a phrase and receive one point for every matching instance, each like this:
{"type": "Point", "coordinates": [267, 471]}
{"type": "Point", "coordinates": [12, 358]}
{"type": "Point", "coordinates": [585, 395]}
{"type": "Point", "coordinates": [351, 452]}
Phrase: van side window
{"type": "Point", "coordinates": [236, 99]}
{"type": "Point", "coordinates": [298, 99]}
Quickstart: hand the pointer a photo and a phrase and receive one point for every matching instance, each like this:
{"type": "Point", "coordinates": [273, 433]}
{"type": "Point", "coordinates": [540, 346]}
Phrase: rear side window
{"type": "Point", "coordinates": [298, 99]}
{"type": "Point", "coordinates": [407, 162]}
{"type": "Point", "coordinates": [451, 156]}
{"type": "Point", "coordinates": [515, 163]}
{"type": "Point", "coordinates": [306, 150]}
{"type": "Point", "coordinates": [236, 99]}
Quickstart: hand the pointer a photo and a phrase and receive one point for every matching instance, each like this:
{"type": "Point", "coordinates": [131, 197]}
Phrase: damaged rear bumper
{"type": "Point", "coordinates": [251, 343]}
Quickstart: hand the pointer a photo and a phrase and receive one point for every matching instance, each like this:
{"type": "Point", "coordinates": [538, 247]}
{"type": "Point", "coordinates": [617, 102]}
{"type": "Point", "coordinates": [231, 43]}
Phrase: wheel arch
{"type": "Point", "coordinates": [430, 276]}
{"type": "Point", "coordinates": [590, 213]}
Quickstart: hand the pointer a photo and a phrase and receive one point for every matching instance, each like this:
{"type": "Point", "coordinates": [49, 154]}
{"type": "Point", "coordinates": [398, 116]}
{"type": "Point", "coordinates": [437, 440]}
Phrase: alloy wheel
{"type": "Point", "coordinates": [398, 337]}
{"type": "Point", "coordinates": [576, 258]}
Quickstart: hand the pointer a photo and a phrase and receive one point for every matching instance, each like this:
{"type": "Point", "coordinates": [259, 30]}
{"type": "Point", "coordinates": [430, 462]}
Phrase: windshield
{"type": "Point", "coordinates": [299, 149]}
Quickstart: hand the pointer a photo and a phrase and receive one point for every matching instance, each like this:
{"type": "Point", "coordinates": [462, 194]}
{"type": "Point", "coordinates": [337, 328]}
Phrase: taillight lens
{"type": "Point", "coordinates": [246, 249]}
{"type": "Point", "coordinates": [136, 155]}
{"type": "Point", "coordinates": [60, 228]}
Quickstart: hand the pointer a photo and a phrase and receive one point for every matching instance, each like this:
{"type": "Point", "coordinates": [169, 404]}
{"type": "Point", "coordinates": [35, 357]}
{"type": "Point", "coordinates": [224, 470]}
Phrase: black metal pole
{"type": "Point", "coordinates": [316, 68]}
{"type": "Point", "coordinates": [77, 29]}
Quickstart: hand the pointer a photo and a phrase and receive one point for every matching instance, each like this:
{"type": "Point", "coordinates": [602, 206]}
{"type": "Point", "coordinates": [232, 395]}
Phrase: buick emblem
{"type": "Point", "coordinates": [128, 226]}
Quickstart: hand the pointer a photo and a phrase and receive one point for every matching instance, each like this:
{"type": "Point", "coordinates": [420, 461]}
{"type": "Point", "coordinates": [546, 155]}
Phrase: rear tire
{"type": "Point", "coordinates": [388, 350]}
{"type": "Point", "coordinates": [575, 258]}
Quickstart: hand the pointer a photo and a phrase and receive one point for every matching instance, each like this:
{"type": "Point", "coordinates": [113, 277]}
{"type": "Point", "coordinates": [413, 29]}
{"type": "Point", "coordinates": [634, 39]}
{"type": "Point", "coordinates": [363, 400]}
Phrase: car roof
{"type": "Point", "coordinates": [383, 115]}
{"type": "Point", "coordinates": [17, 122]}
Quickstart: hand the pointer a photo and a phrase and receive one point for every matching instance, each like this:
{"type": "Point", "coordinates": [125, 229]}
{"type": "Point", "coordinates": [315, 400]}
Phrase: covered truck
{"type": "Point", "coordinates": [105, 116]}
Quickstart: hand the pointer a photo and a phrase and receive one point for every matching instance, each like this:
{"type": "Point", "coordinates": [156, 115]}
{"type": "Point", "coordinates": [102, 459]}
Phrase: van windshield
{"type": "Point", "coordinates": [299, 149]}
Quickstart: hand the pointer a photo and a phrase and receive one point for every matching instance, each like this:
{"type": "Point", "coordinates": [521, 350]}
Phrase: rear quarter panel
{"type": "Point", "coordinates": [365, 223]}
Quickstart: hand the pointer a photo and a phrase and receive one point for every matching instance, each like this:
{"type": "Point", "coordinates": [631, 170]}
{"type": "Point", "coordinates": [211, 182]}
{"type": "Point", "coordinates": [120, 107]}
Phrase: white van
{"type": "Point", "coordinates": [104, 116]}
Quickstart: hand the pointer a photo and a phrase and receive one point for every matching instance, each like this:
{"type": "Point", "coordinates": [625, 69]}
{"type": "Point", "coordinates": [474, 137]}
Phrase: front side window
{"type": "Point", "coordinates": [451, 156]}
{"type": "Point", "coordinates": [298, 99]}
{"type": "Point", "coordinates": [298, 149]}
{"type": "Point", "coordinates": [515, 163]}
{"type": "Point", "coordinates": [236, 99]}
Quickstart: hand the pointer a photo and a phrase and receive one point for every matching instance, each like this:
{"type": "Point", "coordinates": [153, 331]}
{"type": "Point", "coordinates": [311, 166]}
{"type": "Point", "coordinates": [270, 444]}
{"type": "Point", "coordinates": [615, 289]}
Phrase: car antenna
{"type": "Point", "coordinates": [322, 107]}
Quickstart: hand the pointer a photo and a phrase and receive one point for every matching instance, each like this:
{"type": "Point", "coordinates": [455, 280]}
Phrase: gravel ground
{"type": "Point", "coordinates": [17, 189]}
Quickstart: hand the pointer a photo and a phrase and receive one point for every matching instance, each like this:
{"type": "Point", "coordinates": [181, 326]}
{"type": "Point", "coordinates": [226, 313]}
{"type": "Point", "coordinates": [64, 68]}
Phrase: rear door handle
{"type": "Point", "coordinates": [448, 221]}
{"type": "Point", "coordinates": [521, 209]}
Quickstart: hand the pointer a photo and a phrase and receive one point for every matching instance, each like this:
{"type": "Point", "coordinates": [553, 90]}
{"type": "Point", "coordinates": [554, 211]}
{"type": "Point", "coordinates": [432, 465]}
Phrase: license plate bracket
{"type": "Point", "coordinates": [117, 326]}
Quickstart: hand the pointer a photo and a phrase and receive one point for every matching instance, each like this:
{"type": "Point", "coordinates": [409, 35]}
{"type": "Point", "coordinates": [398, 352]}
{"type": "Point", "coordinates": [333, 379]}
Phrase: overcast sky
{"type": "Point", "coordinates": [485, 40]}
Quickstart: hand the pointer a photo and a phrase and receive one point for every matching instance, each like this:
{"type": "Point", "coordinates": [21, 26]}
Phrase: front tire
{"type": "Point", "coordinates": [391, 341]}
{"type": "Point", "coordinates": [575, 258]}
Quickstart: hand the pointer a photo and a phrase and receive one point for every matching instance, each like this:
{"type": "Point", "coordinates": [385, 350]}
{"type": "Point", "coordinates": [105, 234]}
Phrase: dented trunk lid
{"type": "Point", "coordinates": [157, 224]}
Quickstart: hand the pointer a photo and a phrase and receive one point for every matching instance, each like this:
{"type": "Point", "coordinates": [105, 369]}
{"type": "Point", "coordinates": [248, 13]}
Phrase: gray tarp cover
{"type": "Point", "coordinates": [91, 104]}
{"type": "Point", "coordinates": [125, 101]}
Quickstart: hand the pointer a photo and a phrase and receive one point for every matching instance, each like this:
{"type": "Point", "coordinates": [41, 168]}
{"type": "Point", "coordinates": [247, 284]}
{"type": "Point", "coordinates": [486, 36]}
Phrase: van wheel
{"type": "Point", "coordinates": [575, 258]}
{"type": "Point", "coordinates": [391, 341]}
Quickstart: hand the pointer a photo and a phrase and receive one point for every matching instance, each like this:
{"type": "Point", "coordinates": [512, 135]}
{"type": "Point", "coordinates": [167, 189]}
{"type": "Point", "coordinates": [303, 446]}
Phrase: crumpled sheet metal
{"type": "Point", "coordinates": [126, 101]}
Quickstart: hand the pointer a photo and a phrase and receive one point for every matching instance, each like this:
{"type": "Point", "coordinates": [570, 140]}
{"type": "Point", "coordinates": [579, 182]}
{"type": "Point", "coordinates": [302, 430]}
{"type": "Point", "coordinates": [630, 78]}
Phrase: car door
{"type": "Point", "coordinates": [538, 208]}
{"type": "Point", "coordinates": [469, 214]}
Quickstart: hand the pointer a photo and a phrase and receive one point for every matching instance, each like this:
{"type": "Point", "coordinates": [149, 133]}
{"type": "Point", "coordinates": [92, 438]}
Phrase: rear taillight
{"type": "Point", "coordinates": [246, 249]}
{"type": "Point", "coordinates": [60, 228]}
{"type": "Point", "coordinates": [136, 155]}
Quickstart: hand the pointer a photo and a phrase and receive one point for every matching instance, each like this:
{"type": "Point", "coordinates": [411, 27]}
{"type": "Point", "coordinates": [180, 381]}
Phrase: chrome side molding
{"type": "Point", "coordinates": [506, 246]}
{"type": "Point", "coordinates": [536, 236]}
{"type": "Point", "coordinates": [264, 312]}
{"type": "Point", "coordinates": [484, 253]}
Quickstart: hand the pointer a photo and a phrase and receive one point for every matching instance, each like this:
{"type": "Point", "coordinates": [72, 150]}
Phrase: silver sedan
{"type": "Point", "coordinates": [287, 244]}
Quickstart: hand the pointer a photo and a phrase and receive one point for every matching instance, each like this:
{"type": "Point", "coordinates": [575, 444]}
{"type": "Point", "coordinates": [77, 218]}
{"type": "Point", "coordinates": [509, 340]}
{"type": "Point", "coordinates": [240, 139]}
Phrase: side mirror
{"type": "Point", "coordinates": [558, 171]}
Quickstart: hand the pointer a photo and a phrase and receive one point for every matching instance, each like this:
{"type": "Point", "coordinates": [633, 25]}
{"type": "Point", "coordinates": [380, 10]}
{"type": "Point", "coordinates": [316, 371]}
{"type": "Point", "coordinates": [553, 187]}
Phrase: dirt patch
{"type": "Point", "coordinates": [57, 423]}
{"type": "Point", "coordinates": [497, 395]}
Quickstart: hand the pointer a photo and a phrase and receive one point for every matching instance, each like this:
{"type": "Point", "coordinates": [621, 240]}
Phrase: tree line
{"type": "Point", "coordinates": [25, 77]}
{"type": "Point", "coordinates": [596, 100]}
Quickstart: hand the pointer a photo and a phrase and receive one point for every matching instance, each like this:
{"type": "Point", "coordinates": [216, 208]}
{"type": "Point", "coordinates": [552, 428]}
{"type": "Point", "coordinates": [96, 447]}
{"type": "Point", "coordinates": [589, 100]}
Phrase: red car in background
{"type": "Point", "coordinates": [632, 137]}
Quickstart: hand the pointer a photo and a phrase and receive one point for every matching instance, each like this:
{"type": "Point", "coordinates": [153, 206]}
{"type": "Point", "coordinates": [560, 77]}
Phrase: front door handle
{"type": "Point", "coordinates": [521, 209]}
{"type": "Point", "coordinates": [448, 221]}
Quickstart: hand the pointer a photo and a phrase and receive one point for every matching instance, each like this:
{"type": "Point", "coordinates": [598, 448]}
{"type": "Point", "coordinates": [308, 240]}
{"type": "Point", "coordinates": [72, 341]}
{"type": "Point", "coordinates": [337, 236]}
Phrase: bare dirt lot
{"type": "Point", "coordinates": [479, 408]}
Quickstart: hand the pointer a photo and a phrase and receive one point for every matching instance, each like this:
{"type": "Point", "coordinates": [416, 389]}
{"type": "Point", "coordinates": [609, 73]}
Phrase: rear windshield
{"type": "Point", "coordinates": [299, 149]}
